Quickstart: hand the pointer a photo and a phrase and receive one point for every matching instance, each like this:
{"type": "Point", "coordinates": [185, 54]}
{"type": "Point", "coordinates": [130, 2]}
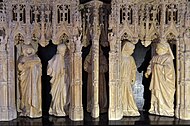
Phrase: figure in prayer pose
{"type": "Point", "coordinates": [162, 84]}
{"type": "Point", "coordinates": [59, 85]}
{"type": "Point", "coordinates": [128, 78]}
{"type": "Point", "coordinates": [30, 73]}
{"type": "Point", "coordinates": [103, 103]}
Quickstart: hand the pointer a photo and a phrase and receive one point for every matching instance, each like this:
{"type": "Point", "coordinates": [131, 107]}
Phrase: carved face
{"type": "Point", "coordinates": [128, 49]}
{"type": "Point", "coordinates": [28, 50]}
{"type": "Point", "coordinates": [160, 50]}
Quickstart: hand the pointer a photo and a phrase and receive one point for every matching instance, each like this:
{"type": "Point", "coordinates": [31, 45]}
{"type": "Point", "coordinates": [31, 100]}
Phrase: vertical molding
{"type": "Point", "coordinates": [95, 62]}
{"type": "Point", "coordinates": [76, 108]}
{"type": "Point", "coordinates": [8, 105]}
{"type": "Point", "coordinates": [28, 30]}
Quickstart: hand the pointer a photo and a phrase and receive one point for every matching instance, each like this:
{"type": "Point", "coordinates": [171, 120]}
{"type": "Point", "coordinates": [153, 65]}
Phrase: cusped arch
{"type": "Point", "coordinates": [126, 31]}
{"type": "Point", "coordinates": [172, 30]}
{"type": "Point", "coordinates": [126, 37]}
{"type": "Point", "coordinates": [36, 32]}
{"type": "Point", "coordinates": [63, 38]}
{"type": "Point", "coordinates": [62, 31]}
{"type": "Point", "coordinates": [18, 30]}
{"type": "Point", "coordinates": [18, 38]}
{"type": "Point", "coordinates": [153, 32]}
{"type": "Point", "coordinates": [171, 36]}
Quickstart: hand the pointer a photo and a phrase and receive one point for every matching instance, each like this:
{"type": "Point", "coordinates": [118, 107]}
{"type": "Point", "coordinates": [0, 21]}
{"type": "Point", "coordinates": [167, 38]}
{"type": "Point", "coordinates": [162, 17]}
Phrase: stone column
{"type": "Point", "coordinates": [7, 83]}
{"type": "Point", "coordinates": [54, 22]}
{"type": "Point", "coordinates": [76, 108]}
{"type": "Point", "coordinates": [162, 18]}
{"type": "Point", "coordinates": [183, 104]}
{"type": "Point", "coordinates": [182, 81]}
{"type": "Point", "coordinates": [115, 111]}
{"type": "Point", "coordinates": [28, 30]}
{"type": "Point", "coordinates": [186, 112]}
{"type": "Point", "coordinates": [95, 63]}
{"type": "Point", "coordinates": [95, 79]}
{"type": "Point", "coordinates": [177, 80]}
{"type": "Point", "coordinates": [7, 79]}
{"type": "Point", "coordinates": [183, 87]}
{"type": "Point", "coordinates": [115, 105]}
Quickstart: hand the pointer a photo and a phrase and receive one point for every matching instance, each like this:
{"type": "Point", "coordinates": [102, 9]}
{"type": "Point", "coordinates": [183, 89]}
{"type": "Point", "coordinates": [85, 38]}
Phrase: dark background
{"type": "Point", "coordinates": [45, 54]}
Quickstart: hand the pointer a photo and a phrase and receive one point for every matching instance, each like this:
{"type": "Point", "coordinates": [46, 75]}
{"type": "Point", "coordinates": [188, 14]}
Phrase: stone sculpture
{"type": "Point", "coordinates": [128, 77]}
{"type": "Point", "coordinates": [162, 84]}
{"type": "Point", "coordinates": [30, 74]}
{"type": "Point", "coordinates": [59, 86]}
{"type": "Point", "coordinates": [46, 20]}
{"type": "Point", "coordinates": [103, 103]}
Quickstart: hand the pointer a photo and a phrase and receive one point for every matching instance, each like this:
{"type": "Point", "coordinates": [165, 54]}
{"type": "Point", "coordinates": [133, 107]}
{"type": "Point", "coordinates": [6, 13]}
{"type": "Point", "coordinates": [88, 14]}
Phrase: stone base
{"type": "Point", "coordinates": [115, 114]}
{"type": "Point", "coordinates": [184, 114]}
{"type": "Point", "coordinates": [76, 114]}
{"type": "Point", "coordinates": [7, 114]}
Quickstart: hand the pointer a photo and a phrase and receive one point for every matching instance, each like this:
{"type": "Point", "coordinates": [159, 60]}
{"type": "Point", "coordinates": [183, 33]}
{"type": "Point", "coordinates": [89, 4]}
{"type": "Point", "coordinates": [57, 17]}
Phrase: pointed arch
{"type": "Point", "coordinates": [18, 31]}
{"type": "Point", "coordinates": [126, 31]}
{"type": "Point", "coordinates": [153, 32]}
{"type": "Point", "coordinates": [18, 38]}
{"type": "Point", "coordinates": [172, 30]}
{"type": "Point", "coordinates": [62, 30]}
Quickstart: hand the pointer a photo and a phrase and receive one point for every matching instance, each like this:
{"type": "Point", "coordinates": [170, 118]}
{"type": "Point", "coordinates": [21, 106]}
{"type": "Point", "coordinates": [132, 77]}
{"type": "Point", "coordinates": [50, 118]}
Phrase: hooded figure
{"type": "Point", "coordinates": [162, 84]}
{"type": "Point", "coordinates": [128, 78]}
{"type": "Point", "coordinates": [30, 73]}
{"type": "Point", "coordinates": [59, 83]}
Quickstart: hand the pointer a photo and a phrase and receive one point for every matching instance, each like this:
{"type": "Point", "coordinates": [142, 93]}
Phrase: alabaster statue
{"type": "Point", "coordinates": [59, 86]}
{"type": "Point", "coordinates": [162, 84]}
{"type": "Point", "coordinates": [78, 42]}
{"type": "Point", "coordinates": [103, 102]}
{"type": "Point", "coordinates": [30, 72]}
{"type": "Point", "coordinates": [128, 78]}
{"type": "Point", "coordinates": [112, 41]}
